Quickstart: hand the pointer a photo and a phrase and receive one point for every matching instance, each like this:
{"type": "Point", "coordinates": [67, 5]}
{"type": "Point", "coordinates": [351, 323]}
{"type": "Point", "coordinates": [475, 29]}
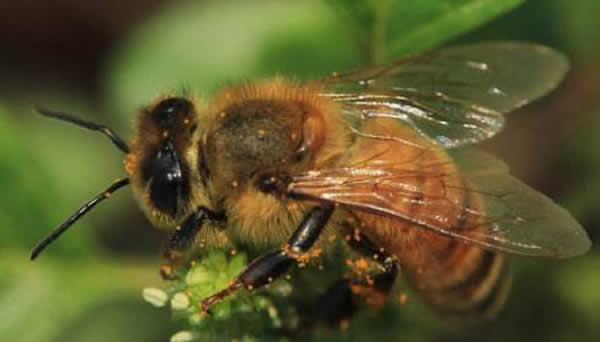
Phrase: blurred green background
{"type": "Point", "coordinates": [102, 60]}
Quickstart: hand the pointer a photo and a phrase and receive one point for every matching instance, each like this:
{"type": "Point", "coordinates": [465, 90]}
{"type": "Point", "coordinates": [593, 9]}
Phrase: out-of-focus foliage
{"type": "Point", "coordinates": [205, 45]}
{"type": "Point", "coordinates": [87, 286]}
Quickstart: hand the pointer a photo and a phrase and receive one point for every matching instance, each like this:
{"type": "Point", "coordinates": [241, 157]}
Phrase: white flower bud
{"type": "Point", "coordinates": [184, 336]}
{"type": "Point", "coordinates": [180, 301]}
{"type": "Point", "coordinates": [154, 296]}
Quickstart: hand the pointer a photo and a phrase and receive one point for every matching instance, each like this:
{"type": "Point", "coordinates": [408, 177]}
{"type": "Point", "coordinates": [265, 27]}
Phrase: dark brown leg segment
{"type": "Point", "coordinates": [270, 266]}
{"type": "Point", "coordinates": [342, 299]}
{"type": "Point", "coordinates": [184, 236]}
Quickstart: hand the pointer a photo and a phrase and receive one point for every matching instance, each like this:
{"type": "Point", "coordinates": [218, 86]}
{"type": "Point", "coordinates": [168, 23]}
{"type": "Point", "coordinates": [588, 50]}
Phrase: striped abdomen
{"type": "Point", "coordinates": [425, 186]}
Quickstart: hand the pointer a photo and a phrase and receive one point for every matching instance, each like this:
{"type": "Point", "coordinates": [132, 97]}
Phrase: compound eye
{"type": "Point", "coordinates": [168, 111]}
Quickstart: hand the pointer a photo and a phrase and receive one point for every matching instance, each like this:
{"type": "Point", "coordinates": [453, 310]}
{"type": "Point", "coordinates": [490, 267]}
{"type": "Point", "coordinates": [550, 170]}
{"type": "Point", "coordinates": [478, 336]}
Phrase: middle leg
{"type": "Point", "coordinates": [267, 268]}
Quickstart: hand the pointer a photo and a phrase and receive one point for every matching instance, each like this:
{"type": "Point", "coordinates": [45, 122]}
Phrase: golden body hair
{"type": "Point", "coordinates": [276, 127]}
{"type": "Point", "coordinates": [377, 157]}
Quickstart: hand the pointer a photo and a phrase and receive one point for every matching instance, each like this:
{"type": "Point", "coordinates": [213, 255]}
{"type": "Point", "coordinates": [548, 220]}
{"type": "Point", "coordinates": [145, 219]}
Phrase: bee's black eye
{"type": "Point", "coordinates": [168, 111]}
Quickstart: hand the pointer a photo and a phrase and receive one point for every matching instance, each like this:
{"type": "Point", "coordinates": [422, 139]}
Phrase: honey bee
{"type": "Point", "coordinates": [383, 154]}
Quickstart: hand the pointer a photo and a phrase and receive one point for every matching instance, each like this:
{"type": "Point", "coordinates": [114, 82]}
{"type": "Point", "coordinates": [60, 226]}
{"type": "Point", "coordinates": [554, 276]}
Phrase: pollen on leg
{"type": "Point", "coordinates": [344, 325]}
{"type": "Point", "coordinates": [402, 298]}
{"type": "Point", "coordinates": [362, 264]}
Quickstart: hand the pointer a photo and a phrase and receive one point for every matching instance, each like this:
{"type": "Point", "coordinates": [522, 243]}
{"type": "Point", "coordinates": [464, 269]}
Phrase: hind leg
{"type": "Point", "coordinates": [370, 282]}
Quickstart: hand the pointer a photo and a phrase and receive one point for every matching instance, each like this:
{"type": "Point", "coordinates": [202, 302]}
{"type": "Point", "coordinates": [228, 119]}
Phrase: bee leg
{"type": "Point", "coordinates": [183, 237]}
{"type": "Point", "coordinates": [378, 285]}
{"type": "Point", "coordinates": [267, 268]}
{"type": "Point", "coordinates": [342, 299]}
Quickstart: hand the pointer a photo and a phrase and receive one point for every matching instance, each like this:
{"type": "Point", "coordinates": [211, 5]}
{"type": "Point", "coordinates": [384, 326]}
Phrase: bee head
{"type": "Point", "coordinates": [162, 158]}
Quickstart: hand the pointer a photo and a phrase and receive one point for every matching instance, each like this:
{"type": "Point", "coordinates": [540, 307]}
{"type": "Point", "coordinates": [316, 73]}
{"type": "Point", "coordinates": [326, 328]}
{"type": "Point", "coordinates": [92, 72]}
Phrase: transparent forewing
{"type": "Point", "coordinates": [453, 96]}
{"type": "Point", "coordinates": [483, 204]}
{"type": "Point", "coordinates": [525, 221]}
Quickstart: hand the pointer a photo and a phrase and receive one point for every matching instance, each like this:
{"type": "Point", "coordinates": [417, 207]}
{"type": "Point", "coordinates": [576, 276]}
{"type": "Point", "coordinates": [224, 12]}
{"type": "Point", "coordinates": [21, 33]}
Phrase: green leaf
{"type": "Point", "coordinates": [204, 45]}
{"type": "Point", "coordinates": [421, 25]}
{"type": "Point", "coordinates": [388, 29]}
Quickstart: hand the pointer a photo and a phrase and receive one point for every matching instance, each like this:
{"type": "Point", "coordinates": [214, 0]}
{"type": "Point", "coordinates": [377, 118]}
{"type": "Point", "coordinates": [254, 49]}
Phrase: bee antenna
{"type": "Point", "coordinates": [76, 216]}
{"type": "Point", "coordinates": [120, 143]}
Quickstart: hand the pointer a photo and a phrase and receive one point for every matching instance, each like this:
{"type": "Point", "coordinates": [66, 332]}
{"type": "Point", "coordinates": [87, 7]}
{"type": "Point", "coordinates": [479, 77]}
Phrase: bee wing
{"type": "Point", "coordinates": [514, 218]}
{"type": "Point", "coordinates": [453, 96]}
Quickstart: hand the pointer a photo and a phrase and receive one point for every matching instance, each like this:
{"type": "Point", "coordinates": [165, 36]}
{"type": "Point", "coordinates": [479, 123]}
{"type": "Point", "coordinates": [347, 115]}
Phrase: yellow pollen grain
{"type": "Point", "coordinates": [235, 184]}
{"type": "Point", "coordinates": [344, 325]}
{"type": "Point", "coordinates": [334, 74]}
{"type": "Point", "coordinates": [261, 133]}
{"type": "Point", "coordinates": [233, 252]}
{"type": "Point", "coordinates": [362, 263]}
{"type": "Point", "coordinates": [316, 252]}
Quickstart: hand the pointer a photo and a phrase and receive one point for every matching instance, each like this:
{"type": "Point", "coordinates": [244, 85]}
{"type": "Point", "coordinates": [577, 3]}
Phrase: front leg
{"type": "Point", "coordinates": [267, 268]}
{"type": "Point", "coordinates": [184, 235]}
